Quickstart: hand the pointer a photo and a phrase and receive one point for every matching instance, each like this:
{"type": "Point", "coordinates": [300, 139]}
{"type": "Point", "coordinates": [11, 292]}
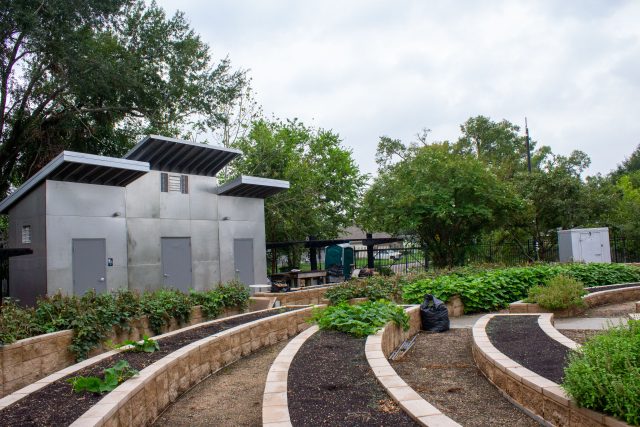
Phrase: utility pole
{"type": "Point", "coordinates": [526, 130]}
{"type": "Point", "coordinates": [536, 245]}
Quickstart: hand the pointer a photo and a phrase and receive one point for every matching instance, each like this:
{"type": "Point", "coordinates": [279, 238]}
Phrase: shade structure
{"type": "Point", "coordinates": [253, 187]}
{"type": "Point", "coordinates": [85, 168]}
{"type": "Point", "coordinates": [178, 156]}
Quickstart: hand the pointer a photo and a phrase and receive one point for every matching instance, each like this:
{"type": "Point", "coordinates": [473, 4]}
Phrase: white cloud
{"type": "Point", "coordinates": [368, 68]}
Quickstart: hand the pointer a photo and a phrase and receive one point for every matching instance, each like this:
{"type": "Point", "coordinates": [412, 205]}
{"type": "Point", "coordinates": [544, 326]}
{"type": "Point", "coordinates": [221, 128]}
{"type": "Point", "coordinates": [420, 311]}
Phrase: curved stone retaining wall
{"type": "Point", "coordinates": [26, 361]}
{"type": "Point", "coordinates": [537, 395]}
{"type": "Point", "coordinates": [139, 400]}
{"type": "Point", "coordinates": [594, 299]}
{"type": "Point", "coordinates": [378, 348]}
{"type": "Point", "coordinates": [305, 296]}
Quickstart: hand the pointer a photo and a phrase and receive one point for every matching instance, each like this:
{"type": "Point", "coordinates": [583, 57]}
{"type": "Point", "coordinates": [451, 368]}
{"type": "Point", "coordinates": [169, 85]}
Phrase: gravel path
{"type": "Point", "coordinates": [441, 369]}
{"type": "Point", "coordinates": [230, 397]}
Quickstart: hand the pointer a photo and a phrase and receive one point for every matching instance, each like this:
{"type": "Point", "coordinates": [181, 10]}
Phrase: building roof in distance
{"type": "Point", "coordinates": [254, 187]}
{"type": "Point", "coordinates": [80, 167]}
{"type": "Point", "coordinates": [179, 156]}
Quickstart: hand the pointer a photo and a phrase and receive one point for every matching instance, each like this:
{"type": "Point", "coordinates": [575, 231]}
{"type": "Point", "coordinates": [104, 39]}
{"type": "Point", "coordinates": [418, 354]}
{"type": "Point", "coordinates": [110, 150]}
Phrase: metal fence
{"type": "Point", "coordinates": [624, 249]}
{"type": "Point", "coordinates": [415, 259]}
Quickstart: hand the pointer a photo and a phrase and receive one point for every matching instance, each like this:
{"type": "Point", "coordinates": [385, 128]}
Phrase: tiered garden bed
{"type": "Point", "coordinates": [333, 378]}
{"type": "Point", "coordinates": [596, 297]}
{"type": "Point", "coordinates": [524, 355]}
{"type": "Point", "coordinates": [186, 357]}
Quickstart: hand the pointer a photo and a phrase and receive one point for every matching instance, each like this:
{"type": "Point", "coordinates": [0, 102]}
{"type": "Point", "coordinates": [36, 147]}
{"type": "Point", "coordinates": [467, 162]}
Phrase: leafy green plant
{"type": "Point", "coordinates": [146, 345]}
{"type": "Point", "coordinates": [92, 316]}
{"type": "Point", "coordinates": [604, 374]}
{"type": "Point", "coordinates": [361, 319]}
{"type": "Point", "coordinates": [210, 302]}
{"type": "Point", "coordinates": [373, 288]}
{"type": "Point", "coordinates": [113, 376]}
{"type": "Point", "coordinates": [487, 290]}
{"type": "Point", "coordinates": [560, 292]}
{"type": "Point", "coordinates": [234, 294]}
{"type": "Point", "coordinates": [17, 322]}
{"type": "Point", "coordinates": [163, 305]}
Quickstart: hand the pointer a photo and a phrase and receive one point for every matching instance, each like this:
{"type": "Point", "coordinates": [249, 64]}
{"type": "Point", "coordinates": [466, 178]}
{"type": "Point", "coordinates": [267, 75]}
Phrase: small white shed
{"type": "Point", "coordinates": [584, 245]}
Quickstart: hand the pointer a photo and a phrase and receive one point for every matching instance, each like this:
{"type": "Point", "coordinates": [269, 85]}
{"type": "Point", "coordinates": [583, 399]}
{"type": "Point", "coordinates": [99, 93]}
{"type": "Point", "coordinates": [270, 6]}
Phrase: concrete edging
{"type": "Point", "coordinates": [275, 406]}
{"type": "Point", "coordinates": [139, 400]}
{"type": "Point", "coordinates": [532, 392]}
{"type": "Point", "coordinates": [377, 348]}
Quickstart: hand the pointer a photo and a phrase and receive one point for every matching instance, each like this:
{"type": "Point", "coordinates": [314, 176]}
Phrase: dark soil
{"type": "Point", "coordinates": [440, 367]}
{"type": "Point", "coordinates": [331, 383]}
{"type": "Point", "coordinates": [521, 338]}
{"type": "Point", "coordinates": [57, 404]}
{"type": "Point", "coordinates": [607, 287]}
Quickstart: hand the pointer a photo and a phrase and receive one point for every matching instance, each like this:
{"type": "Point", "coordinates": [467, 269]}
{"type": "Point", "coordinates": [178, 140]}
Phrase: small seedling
{"type": "Point", "coordinates": [113, 376]}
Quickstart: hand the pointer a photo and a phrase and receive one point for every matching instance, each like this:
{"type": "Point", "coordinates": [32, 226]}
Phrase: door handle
{"type": "Point", "coordinates": [101, 279]}
{"type": "Point", "coordinates": [165, 275]}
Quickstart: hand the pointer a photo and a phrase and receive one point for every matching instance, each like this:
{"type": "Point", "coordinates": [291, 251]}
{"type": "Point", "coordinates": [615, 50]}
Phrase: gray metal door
{"type": "Point", "coordinates": [591, 246]}
{"type": "Point", "coordinates": [176, 262]}
{"type": "Point", "coordinates": [89, 265]}
{"type": "Point", "coordinates": [243, 260]}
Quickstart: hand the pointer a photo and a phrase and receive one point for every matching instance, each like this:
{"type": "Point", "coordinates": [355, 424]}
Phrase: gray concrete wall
{"type": "Point", "coordinates": [28, 273]}
{"type": "Point", "coordinates": [152, 215]}
{"type": "Point", "coordinates": [244, 219]}
{"type": "Point", "coordinates": [82, 211]}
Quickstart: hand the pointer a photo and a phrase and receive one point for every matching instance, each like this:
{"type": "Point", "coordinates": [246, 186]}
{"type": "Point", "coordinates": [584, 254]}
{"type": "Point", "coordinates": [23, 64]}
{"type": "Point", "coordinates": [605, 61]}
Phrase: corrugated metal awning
{"type": "Point", "coordinates": [84, 168]}
{"type": "Point", "coordinates": [254, 187]}
{"type": "Point", "coordinates": [179, 156]}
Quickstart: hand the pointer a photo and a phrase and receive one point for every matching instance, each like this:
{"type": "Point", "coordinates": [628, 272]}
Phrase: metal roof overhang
{"type": "Point", "coordinates": [179, 156]}
{"type": "Point", "coordinates": [83, 168]}
{"type": "Point", "coordinates": [254, 187]}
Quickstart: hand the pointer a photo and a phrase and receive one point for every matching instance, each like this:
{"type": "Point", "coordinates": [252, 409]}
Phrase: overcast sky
{"type": "Point", "coordinates": [370, 68]}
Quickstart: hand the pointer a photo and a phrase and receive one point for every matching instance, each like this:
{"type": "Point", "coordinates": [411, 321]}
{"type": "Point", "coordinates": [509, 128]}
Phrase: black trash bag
{"type": "Point", "coordinates": [434, 315]}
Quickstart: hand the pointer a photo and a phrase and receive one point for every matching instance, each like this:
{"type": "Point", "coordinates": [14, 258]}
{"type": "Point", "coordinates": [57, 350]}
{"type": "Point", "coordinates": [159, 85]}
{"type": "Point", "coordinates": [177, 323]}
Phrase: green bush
{"type": "Point", "coordinates": [361, 319]}
{"type": "Point", "coordinates": [604, 374]}
{"type": "Point", "coordinates": [495, 289]}
{"type": "Point", "coordinates": [559, 293]}
{"type": "Point", "coordinates": [373, 288]}
{"type": "Point", "coordinates": [92, 316]}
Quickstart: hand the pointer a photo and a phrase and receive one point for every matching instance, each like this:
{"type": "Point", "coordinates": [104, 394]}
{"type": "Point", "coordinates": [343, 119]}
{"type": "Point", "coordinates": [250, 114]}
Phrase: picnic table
{"type": "Point", "coordinates": [297, 279]}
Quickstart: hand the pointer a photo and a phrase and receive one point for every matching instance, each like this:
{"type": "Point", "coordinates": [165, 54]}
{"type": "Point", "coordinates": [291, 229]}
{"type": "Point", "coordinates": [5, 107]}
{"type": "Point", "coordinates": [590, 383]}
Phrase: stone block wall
{"type": "Point", "coordinates": [141, 399]}
{"type": "Point", "coordinates": [26, 361]}
{"type": "Point", "coordinates": [393, 334]}
{"type": "Point", "coordinates": [314, 295]}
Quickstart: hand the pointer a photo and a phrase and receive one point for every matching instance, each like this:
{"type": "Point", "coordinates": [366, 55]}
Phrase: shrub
{"type": "Point", "coordinates": [361, 319]}
{"type": "Point", "coordinates": [373, 288]}
{"type": "Point", "coordinates": [495, 289]}
{"type": "Point", "coordinates": [560, 292]}
{"type": "Point", "coordinates": [604, 374]}
{"type": "Point", "coordinates": [92, 316]}
{"type": "Point", "coordinates": [234, 294]}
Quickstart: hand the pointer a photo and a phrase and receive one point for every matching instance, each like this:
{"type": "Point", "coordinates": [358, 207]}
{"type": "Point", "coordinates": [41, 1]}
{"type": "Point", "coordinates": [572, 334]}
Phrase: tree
{"type": "Point", "coordinates": [445, 197]}
{"type": "Point", "coordinates": [94, 75]}
{"type": "Point", "coordinates": [629, 164]}
{"type": "Point", "coordinates": [498, 145]}
{"type": "Point", "coordinates": [324, 179]}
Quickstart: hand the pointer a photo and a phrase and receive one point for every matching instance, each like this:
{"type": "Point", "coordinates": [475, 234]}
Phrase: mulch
{"type": "Point", "coordinates": [522, 339]}
{"type": "Point", "coordinates": [440, 367]}
{"type": "Point", "coordinates": [330, 383]}
{"type": "Point", "coordinates": [57, 404]}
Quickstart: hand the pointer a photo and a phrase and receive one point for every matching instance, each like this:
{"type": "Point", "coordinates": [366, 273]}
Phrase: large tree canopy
{"type": "Point", "coordinates": [94, 75]}
{"type": "Point", "coordinates": [324, 179]}
{"type": "Point", "coordinates": [445, 197]}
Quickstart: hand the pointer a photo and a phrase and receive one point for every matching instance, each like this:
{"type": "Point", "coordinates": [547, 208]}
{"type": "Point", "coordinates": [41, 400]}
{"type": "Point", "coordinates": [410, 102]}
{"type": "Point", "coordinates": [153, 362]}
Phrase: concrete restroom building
{"type": "Point", "coordinates": [155, 218]}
